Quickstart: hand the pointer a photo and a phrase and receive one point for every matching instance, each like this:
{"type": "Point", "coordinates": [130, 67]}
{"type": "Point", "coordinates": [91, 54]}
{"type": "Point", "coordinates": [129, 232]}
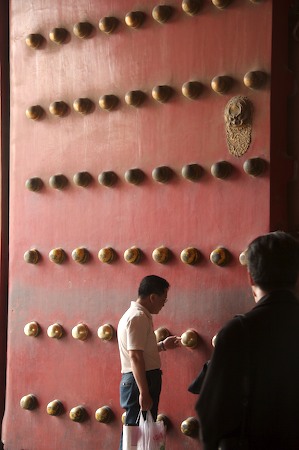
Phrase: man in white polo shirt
{"type": "Point", "coordinates": [141, 380]}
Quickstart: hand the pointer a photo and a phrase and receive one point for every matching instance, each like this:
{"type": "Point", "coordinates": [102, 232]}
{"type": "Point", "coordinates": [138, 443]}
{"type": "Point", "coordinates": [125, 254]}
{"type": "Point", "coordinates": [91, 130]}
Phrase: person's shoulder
{"type": "Point", "coordinates": [235, 322]}
{"type": "Point", "coordinates": [136, 313]}
{"type": "Point", "coordinates": [232, 330]}
{"type": "Point", "coordinates": [127, 314]}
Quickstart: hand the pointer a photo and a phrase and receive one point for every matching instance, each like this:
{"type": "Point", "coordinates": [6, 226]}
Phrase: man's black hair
{"type": "Point", "coordinates": [152, 284]}
{"type": "Point", "coordinates": [273, 261]}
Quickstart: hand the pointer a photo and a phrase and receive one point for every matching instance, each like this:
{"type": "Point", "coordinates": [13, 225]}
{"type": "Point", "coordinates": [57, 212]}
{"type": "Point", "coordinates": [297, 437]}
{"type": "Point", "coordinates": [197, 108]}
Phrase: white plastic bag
{"type": "Point", "coordinates": [130, 437]}
{"type": "Point", "coordinates": [152, 434]}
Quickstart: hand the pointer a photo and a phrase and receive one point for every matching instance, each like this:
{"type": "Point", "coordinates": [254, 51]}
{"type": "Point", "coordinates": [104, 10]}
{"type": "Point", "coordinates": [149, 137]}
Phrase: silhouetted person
{"type": "Point", "coordinates": [251, 388]}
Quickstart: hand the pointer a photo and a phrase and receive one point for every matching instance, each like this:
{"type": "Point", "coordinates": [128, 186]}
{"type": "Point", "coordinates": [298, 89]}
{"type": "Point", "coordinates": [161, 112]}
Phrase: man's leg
{"type": "Point", "coordinates": [129, 400]}
{"type": "Point", "coordinates": [129, 396]}
{"type": "Point", "coordinates": [154, 379]}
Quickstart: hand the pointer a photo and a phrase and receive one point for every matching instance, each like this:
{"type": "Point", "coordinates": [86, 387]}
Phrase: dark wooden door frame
{"type": "Point", "coordinates": [4, 149]}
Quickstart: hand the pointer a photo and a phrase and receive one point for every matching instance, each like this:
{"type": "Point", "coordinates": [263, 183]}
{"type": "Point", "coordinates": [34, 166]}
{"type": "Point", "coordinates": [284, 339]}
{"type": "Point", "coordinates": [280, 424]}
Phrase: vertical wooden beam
{"type": "Point", "coordinates": [4, 161]}
{"type": "Point", "coordinates": [281, 85]}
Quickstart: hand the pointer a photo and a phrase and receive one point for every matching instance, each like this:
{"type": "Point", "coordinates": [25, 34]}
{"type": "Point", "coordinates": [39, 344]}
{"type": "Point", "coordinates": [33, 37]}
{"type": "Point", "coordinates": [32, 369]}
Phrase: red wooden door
{"type": "Point", "coordinates": [189, 131]}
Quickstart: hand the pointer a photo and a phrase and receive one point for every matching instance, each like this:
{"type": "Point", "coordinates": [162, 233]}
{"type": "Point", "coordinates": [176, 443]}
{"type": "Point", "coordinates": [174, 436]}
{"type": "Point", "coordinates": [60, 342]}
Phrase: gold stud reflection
{"type": "Point", "coordinates": [28, 402]}
{"type": "Point", "coordinates": [221, 84]}
{"type": "Point", "coordinates": [221, 169]}
{"type": "Point", "coordinates": [81, 255]}
{"type": "Point", "coordinates": [134, 176]}
{"type": "Point", "coordinates": [58, 109]}
{"type": "Point", "coordinates": [191, 7]}
{"type": "Point", "coordinates": [192, 172]}
{"type": "Point", "coordinates": [190, 339]}
{"type": "Point", "coordinates": [34, 40]}
{"type": "Point", "coordinates": [80, 332]}
{"type": "Point", "coordinates": [57, 255]}
{"type": "Point", "coordinates": [32, 329]}
{"type": "Point", "coordinates": [163, 418]}
{"type": "Point", "coordinates": [108, 24]}
{"type": "Point", "coordinates": [58, 181]}
{"type": "Point", "coordinates": [107, 178]}
{"type": "Point", "coordinates": [78, 414]}
{"type": "Point", "coordinates": [34, 112]}
{"type": "Point", "coordinates": [135, 98]}
{"type": "Point", "coordinates": [192, 89]}
{"type": "Point", "coordinates": [108, 102]}
{"type": "Point", "coordinates": [190, 427]}
{"type": "Point", "coordinates": [32, 256]}
{"type": "Point", "coordinates": [161, 333]}
{"type": "Point", "coordinates": [255, 79]}
{"type": "Point", "coordinates": [106, 332]}
{"type": "Point", "coordinates": [83, 105]}
{"type": "Point", "coordinates": [220, 256]}
{"type": "Point", "coordinates": [254, 166]}
{"type": "Point", "coordinates": [134, 19]}
{"type": "Point", "coordinates": [104, 414]}
{"type": "Point", "coordinates": [161, 255]}
{"type": "Point", "coordinates": [162, 93]}
{"type": "Point", "coordinates": [106, 255]}
{"type": "Point", "coordinates": [34, 184]}
{"type": "Point", "coordinates": [213, 341]}
{"type": "Point", "coordinates": [82, 179]}
{"type": "Point", "coordinates": [243, 258]}
{"type": "Point", "coordinates": [162, 13]}
{"type": "Point", "coordinates": [55, 408]}
{"type": "Point", "coordinates": [83, 30]}
{"type": "Point", "coordinates": [132, 255]}
{"type": "Point", "coordinates": [162, 174]}
{"type": "Point", "coordinates": [55, 331]}
{"type": "Point", "coordinates": [190, 255]}
{"type": "Point", "coordinates": [221, 4]}
{"type": "Point", "coordinates": [58, 35]}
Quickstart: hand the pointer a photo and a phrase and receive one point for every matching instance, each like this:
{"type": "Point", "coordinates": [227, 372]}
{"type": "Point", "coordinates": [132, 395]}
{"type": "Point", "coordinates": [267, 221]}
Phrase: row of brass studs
{"type": "Point", "coordinates": [104, 414]}
{"type": "Point", "coordinates": [133, 19]}
{"type": "Point", "coordinates": [161, 93]}
{"type": "Point", "coordinates": [189, 426]}
{"type": "Point", "coordinates": [163, 174]}
{"type": "Point", "coordinates": [76, 414]}
{"type": "Point", "coordinates": [133, 255]}
{"type": "Point", "coordinates": [105, 332]}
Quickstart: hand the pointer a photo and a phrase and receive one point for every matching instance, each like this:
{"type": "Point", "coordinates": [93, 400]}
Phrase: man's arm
{"type": "Point", "coordinates": [138, 369]}
{"type": "Point", "coordinates": [169, 343]}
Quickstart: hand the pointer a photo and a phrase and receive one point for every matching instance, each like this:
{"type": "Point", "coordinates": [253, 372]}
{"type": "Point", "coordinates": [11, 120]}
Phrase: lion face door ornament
{"type": "Point", "coordinates": [238, 125]}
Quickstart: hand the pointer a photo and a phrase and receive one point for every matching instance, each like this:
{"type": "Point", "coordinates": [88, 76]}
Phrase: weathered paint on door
{"type": "Point", "coordinates": [203, 214]}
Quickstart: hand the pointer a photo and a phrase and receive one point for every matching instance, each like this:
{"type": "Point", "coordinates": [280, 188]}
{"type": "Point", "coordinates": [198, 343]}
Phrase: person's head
{"type": "Point", "coordinates": [273, 261]}
{"type": "Point", "coordinates": [152, 292]}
